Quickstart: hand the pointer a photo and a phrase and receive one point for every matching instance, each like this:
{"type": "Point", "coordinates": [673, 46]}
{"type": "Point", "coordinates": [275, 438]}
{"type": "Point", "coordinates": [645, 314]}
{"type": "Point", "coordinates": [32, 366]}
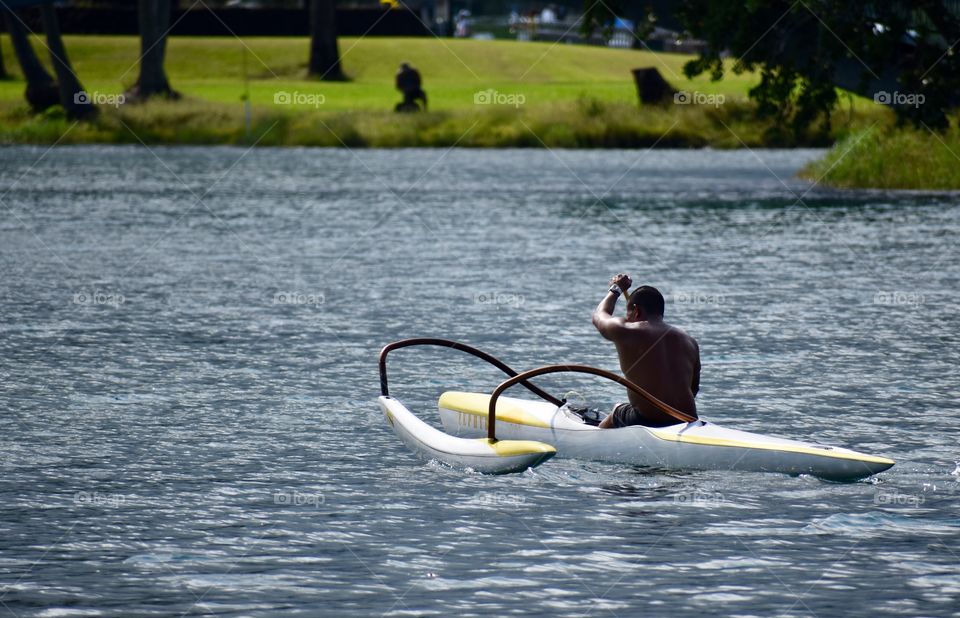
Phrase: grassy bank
{"type": "Point", "coordinates": [563, 96]}
{"type": "Point", "coordinates": [905, 158]}
{"type": "Point", "coordinates": [584, 123]}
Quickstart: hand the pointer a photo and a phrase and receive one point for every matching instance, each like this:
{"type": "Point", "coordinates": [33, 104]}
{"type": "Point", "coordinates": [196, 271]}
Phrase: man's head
{"type": "Point", "coordinates": [645, 304]}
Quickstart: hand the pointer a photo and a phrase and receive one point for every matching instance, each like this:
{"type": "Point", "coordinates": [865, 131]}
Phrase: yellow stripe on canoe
{"type": "Point", "coordinates": [478, 404]}
{"type": "Point", "coordinates": [769, 446]}
{"type": "Point", "coordinates": [509, 448]}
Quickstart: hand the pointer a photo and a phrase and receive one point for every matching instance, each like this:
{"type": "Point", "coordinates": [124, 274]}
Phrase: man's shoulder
{"type": "Point", "coordinates": [658, 332]}
{"type": "Point", "coordinates": [686, 340]}
{"type": "Point", "coordinates": [678, 337]}
{"type": "Point", "coordinates": [685, 336]}
{"type": "Point", "coordinates": [658, 329]}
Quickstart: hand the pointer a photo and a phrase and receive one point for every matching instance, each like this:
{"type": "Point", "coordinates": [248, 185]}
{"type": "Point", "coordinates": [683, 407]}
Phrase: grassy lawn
{"type": "Point", "coordinates": [572, 96]}
{"type": "Point", "coordinates": [453, 70]}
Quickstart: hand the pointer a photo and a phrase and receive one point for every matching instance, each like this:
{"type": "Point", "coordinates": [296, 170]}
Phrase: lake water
{"type": "Point", "coordinates": [189, 340]}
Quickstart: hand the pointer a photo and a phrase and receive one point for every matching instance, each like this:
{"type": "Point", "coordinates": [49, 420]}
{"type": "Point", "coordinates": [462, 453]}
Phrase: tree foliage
{"type": "Point", "coordinates": [899, 53]}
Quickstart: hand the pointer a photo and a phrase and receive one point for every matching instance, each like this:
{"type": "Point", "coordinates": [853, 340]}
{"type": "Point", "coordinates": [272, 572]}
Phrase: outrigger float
{"type": "Point", "coordinates": [497, 435]}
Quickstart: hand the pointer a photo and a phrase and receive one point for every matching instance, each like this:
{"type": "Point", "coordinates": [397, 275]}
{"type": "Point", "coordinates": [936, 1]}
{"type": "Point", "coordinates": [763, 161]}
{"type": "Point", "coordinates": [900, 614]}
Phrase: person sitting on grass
{"type": "Point", "coordinates": [660, 358]}
{"type": "Point", "coordinates": [408, 82]}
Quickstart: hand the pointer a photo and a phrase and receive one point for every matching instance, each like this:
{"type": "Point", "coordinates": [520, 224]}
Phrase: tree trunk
{"type": "Point", "coordinates": [154, 18]}
{"type": "Point", "coordinates": [41, 91]}
{"type": "Point", "coordinates": [75, 101]}
{"type": "Point", "coordinates": [3, 68]}
{"type": "Point", "coordinates": [652, 88]}
{"type": "Point", "coordinates": [324, 55]}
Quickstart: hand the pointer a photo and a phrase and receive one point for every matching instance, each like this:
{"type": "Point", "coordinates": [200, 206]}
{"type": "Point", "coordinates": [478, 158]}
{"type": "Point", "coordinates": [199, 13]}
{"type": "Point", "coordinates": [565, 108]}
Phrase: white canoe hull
{"type": "Point", "coordinates": [689, 446]}
{"type": "Point", "coordinates": [502, 457]}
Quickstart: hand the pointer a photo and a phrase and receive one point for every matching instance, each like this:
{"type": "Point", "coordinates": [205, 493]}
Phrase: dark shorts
{"type": "Point", "coordinates": [624, 415]}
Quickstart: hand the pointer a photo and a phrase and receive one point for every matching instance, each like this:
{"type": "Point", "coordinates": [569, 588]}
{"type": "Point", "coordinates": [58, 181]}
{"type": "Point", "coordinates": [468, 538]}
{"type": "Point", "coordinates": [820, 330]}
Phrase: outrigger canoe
{"type": "Point", "coordinates": [495, 434]}
{"type": "Point", "coordinates": [697, 445]}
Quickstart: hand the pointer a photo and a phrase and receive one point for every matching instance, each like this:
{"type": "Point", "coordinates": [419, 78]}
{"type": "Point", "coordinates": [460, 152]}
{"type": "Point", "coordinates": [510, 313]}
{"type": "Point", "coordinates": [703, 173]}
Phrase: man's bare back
{"type": "Point", "coordinates": [662, 359]}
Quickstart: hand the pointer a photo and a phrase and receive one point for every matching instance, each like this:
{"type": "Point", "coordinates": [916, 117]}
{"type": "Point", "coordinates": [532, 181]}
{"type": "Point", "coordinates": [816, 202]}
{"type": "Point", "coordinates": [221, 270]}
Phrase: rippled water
{"type": "Point", "coordinates": [189, 341]}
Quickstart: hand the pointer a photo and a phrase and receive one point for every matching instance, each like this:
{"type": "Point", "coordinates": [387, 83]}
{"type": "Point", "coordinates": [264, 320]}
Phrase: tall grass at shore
{"type": "Point", "coordinates": [904, 158]}
{"type": "Point", "coordinates": [582, 123]}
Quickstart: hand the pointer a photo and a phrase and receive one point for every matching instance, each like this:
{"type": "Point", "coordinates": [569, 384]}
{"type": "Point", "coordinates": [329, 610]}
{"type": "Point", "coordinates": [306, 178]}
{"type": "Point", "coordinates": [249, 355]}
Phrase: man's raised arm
{"type": "Point", "coordinates": [608, 325]}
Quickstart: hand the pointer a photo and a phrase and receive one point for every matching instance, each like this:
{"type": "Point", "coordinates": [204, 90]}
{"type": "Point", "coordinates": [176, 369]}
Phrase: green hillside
{"type": "Point", "coordinates": [564, 95]}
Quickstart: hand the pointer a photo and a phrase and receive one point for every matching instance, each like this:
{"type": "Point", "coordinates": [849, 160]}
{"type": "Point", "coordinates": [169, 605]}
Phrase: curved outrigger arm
{"type": "Point", "coordinates": [521, 378]}
{"type": "Point", "coordinates": [456, 345]}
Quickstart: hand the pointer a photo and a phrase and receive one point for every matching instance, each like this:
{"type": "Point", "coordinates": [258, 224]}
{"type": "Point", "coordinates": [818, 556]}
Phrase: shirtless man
{"type": "Point", "coordinates": [662, 359]}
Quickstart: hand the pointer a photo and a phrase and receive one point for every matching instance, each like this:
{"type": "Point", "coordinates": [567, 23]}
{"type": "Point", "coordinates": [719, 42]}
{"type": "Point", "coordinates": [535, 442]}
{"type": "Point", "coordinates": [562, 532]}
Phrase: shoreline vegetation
{"type": "Point", "coordinates": [483, 94]}
{"type": "Point", "coordinates": [583, 123]}
{"type": "Point", "coordinates": [901, 158]}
